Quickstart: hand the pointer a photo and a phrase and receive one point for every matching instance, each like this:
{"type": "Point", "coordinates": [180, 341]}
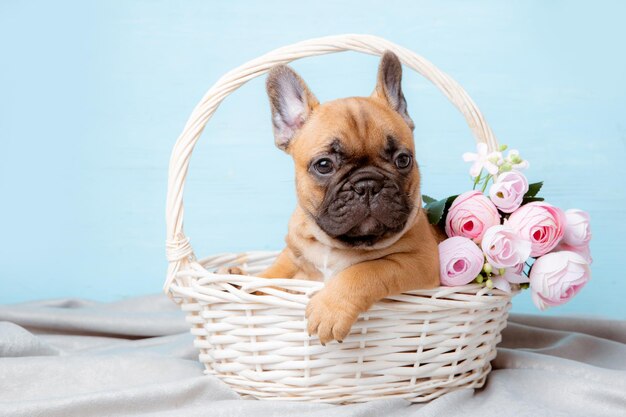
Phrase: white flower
{"type": "Point", "coordinates": [481, 160]}
{"type": "Point", "coordinates": [495, 158]}
{"type": "Point", "coordinates": [515, 161]}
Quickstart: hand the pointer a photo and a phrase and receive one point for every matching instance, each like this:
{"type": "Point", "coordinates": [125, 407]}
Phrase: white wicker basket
{"type": "Point", "coordinates": [251, 333]}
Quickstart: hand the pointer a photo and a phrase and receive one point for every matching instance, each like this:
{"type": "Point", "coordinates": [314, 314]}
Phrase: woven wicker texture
{"type": "Point", "coordinates": [251, 332]}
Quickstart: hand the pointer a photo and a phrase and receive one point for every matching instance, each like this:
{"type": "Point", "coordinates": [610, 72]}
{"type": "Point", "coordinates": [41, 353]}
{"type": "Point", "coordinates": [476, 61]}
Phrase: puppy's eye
{"type": "Point", "coordinates": [324, 166]}
{"type": "Point", "coordinates": [403, 161]}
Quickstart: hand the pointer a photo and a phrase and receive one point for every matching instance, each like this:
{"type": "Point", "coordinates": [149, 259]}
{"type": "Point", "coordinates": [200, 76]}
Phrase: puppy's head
{"type": "Point", "coordinates": [356, 175]}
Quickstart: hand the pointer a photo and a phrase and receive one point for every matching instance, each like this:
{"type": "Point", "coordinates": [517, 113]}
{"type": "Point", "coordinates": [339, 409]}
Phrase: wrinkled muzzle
{"type": "Point", "coordinates": [364, 207]}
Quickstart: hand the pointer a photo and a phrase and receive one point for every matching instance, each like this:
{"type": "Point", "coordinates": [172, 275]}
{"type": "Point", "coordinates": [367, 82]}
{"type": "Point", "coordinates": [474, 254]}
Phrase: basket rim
{"type": "Point", "coordinates": [195, 278]}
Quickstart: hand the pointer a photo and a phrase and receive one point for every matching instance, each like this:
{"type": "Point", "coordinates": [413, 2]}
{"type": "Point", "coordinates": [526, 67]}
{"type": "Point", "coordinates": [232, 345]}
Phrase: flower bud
{"type": "Point", "coordinates": [470, 215]}
{"type": "Point", "coordinates": [508, 190]}
{"type": "Point", "coordinates": [503, 248]}
{"type": "Point", "coordinates": [489, 284]}
{"type": "Point", "coordinates": [487, 268]}
{"type": "Point", "coordinates": [540, 223]}
{"type": "Point", "coordinates": [556, 277]}
{"type": "Point", "coordinates": [460, 261]}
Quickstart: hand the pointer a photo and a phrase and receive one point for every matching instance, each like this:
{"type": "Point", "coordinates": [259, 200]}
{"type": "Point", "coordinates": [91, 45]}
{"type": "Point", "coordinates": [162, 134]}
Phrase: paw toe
{"type": "Point", "coordinates": [340, 331]}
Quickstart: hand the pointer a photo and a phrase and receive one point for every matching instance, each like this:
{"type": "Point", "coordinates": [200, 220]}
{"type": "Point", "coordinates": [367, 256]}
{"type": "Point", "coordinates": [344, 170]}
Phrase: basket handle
{"type": "Point", "coordinates": [178, 249]}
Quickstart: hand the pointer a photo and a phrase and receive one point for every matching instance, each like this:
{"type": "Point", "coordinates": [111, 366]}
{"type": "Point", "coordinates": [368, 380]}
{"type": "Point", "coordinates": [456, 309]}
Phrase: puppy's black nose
{"type": "Point", "coordinates": [367, 186]}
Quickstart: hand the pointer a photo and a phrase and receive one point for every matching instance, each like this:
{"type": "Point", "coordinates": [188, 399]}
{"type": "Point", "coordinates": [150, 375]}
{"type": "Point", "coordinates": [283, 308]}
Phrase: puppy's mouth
{"type": "Point", "coordinates": [366, 233]}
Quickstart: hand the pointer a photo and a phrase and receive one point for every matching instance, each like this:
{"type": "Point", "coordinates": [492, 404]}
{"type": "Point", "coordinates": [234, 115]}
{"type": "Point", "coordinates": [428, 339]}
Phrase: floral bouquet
{"type": "Point", "coordinates": [511, 239]}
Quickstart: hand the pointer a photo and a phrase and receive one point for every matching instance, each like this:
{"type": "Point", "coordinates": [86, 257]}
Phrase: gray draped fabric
{"type": "Point", "coordinates": [135, 357]}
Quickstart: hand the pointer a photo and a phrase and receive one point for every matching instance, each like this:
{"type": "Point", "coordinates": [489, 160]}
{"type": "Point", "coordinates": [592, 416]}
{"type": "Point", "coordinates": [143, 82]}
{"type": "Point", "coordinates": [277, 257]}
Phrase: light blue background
{"type": "Point", "coordinates": [93, 96]}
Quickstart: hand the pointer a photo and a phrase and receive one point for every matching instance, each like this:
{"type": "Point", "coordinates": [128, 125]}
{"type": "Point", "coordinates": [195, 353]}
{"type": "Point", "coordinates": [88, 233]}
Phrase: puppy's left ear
{"type": "Point", "coordinates": [389, 85]}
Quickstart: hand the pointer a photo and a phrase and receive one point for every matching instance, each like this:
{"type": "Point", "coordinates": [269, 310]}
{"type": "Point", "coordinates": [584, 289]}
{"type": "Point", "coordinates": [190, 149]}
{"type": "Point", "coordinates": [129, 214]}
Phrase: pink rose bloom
{"type": "Point", "coordinates": [504, 248]}
{"type": "Point", "coordinates": [577, 230]}
{"type": "Point", "coordinates": [582, 250]}
{"type": "Point", "coordinates": [470, 215]}
{"type": "Point", "coordinates": [540, 223]}
{"type": "Point", "coordinates": [460, 260]}
{"type": "Point", "coordinates": [556, 277]}
{"type": "Point", "coordinates": [508, 191]}
{"type": "Point", "coordinates": [513, 275]}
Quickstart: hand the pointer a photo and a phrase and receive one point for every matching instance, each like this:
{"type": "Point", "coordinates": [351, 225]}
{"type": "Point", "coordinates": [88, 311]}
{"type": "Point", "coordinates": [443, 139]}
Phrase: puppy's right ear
{"type": "Point", "coordinates": [292, 103]}
{"type": "Point", "coordinates": [389, 85]}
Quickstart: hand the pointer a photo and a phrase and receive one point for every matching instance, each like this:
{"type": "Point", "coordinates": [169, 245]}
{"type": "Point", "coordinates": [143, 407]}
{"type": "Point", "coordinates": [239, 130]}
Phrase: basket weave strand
{"type": "Point", "coordinates": [416, 345]}
{"type": "Point", "coordinates": [251, 332]}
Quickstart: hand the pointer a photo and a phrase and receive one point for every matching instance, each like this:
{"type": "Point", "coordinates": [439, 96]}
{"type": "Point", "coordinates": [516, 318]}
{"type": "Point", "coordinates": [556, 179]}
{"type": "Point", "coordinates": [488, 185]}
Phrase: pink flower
{"type": "Point", "coordinates": [540, 223]}
{"type": "Point", "coordinates": [470, 215]}
{"type": "Point", "coordinates": [513, 275]}
{"type": "Point", "coordinates": [578, 230]}
{"type": "Point", "coordinates": [508, 191]}
{"type": "Point", "coordinates": [556, 277]}
{"type": "Point", "coordinates": [504, 248]}
{"type": "Point", "coordinates": [582, 250]}
{"type": "Point", "coordinates": [460, 259]}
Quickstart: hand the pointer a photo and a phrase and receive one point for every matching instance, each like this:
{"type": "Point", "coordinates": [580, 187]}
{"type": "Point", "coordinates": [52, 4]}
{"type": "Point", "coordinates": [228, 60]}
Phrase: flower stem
{"type": "Point", "coordinates": [487, 178]}
{"type": "Point", "coordinates": [477, 180]}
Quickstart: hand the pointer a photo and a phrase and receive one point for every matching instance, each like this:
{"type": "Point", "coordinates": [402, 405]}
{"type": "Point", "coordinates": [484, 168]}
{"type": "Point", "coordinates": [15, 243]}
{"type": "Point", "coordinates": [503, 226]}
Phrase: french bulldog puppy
{"type": "Point", "coordinates": [359, 224]}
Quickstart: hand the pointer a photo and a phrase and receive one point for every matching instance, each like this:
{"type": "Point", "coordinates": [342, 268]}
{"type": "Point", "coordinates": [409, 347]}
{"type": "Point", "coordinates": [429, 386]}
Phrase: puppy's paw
{"type": "Point", "coordinates": [330, 317]}
{"type": "Point", "coordinates": [231, 270]}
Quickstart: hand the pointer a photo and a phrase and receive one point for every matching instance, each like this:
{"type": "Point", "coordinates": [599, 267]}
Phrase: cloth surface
{"type": "Point", "coordinates": [136, 358]}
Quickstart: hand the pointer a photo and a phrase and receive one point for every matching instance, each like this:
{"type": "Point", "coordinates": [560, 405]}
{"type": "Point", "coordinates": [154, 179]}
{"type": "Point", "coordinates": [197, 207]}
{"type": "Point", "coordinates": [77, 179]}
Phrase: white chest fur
{"type": "Point", "coordinates": [327, 260]}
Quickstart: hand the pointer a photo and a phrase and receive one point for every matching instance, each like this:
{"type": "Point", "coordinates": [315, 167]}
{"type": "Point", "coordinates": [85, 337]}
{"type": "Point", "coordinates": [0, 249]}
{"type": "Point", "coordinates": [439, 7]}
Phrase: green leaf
{"type": "Point", "coordinates": [437, 210]}
{"type": "Point", "coordinates": [434, 210]}
{"type": "Point", "coordinates": [428, 199]}
{"type": "Point", "coordinates": [533, 189]}
{"type": "Point", "coordinates": [527, 200]}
